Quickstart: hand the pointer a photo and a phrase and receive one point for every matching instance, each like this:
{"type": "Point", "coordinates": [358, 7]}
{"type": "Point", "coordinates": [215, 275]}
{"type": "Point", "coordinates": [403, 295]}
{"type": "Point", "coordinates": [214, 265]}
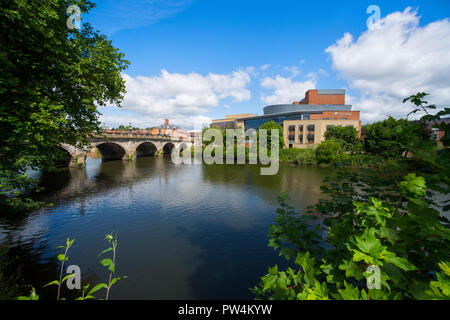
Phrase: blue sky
{"type": "Point", "coordinates": [203, 59]}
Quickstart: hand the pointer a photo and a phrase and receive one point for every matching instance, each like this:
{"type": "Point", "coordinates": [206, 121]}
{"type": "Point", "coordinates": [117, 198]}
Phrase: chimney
{"type": "Point", "coordinates": [166, 122]}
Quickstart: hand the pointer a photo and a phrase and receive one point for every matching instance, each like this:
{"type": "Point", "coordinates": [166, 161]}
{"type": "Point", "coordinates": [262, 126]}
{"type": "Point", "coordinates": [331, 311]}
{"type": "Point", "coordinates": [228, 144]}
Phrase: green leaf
{"type": "Point", "coordinates": [112, 268]}
{"type": "Point", "coordinates": [114, 280]}
{"type": "Point", "coordinates": [97, 287]}
{"type": "Point", "coordinates": [349, 293]}
{"type": "Point", "coordinates": [106, 262]}
{"type": "Point", "coordinates": [104, 251]}
{"type": "Point", "coordinates": [62, 257]}
{"type": "Point", "coordinates": [273, 270]}
{"type": "Point", "coordinates": [402, 263]}
{"type": "Point", "coordinates": [269, 281]}
{"type": "Point", "coordinates": [67, 277]}
{"type": "Point", "coordinates": [55, 282]}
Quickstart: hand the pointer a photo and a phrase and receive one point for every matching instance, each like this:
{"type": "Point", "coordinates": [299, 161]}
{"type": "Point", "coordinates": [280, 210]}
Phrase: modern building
{"type": "Point", "coordinates": [304, 122]}
{"type": "Point", "coordinates": [230, 121]}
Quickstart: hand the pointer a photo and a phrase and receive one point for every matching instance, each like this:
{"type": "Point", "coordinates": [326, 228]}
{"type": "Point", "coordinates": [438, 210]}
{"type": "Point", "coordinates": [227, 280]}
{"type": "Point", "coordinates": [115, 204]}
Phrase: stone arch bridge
{"type": "Point", "coordinates": [124, 147]}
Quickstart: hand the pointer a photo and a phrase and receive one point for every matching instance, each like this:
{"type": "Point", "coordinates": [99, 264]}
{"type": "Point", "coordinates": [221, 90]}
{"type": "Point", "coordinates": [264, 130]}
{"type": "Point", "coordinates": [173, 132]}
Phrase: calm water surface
{"type": "Point", "coordinates": [185, 231]}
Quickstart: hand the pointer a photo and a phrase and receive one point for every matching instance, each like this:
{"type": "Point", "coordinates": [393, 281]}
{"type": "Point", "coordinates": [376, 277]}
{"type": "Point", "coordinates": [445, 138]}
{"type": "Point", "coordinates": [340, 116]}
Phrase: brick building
{"type": "Point", "coordinates": [304, 122]}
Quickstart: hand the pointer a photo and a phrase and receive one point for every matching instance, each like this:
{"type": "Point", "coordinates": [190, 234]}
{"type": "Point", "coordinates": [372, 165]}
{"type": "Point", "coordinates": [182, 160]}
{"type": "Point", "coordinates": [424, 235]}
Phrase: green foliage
{"type": "Point", "coordinates": [53, 79]}
{"type": "Point", "coordinates": [32, 296]}
{"type": "Point", "coordinates": [370, 218]}
{"type": "Point", "coordinates": [407, 240]}
{"type": "Point", "coordinates": [393, 138]}
{"type": "Point", "coordinates": [330, 152]}
{"type": "Point", "coordinates": [109, 263]}
{"type": "Point", "coordinates": [347, 136]}
{"type": "Point", "coordinates": [307, 157]}
{"type": "Point", "coordinates": [63, 258]}
{"type": "Point", "coordinates": [269, 126]}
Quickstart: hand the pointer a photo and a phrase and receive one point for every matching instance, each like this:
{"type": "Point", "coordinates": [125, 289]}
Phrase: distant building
{"type": "Point", "coordinates": [304, 122]}
{"type": "Point", "coordinates": [437, 134]}
{"type": "Point", "coordinates": [165, 129]}
{"type": "Point", "coordinates": [230, 121]}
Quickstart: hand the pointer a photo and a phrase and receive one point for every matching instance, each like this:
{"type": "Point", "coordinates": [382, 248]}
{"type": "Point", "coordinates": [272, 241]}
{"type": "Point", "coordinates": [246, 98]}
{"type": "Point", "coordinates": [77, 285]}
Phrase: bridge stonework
{"type": "Point", "coordinates": [125, 147]}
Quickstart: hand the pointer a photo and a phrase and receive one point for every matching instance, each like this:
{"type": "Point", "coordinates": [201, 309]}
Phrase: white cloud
{"type": "Point", "coordinates": [180, 97]}
{"type": "Point", "coordinates": [393, 61]}
{"type": "Point", "coordinates": [186, 94]}
{"type": "Point", "coordinates": [264, 67]}
{"type": "Point", "coordinates": [113, 16]}
{"type": "Point", "coordinates": [323, 73]}
{"type": "Point", "coordinates": [285, 90]}
{"type": "Point", "coordinates": [294, 71]}
{"type": "Point", "coordinates": [187, 122]}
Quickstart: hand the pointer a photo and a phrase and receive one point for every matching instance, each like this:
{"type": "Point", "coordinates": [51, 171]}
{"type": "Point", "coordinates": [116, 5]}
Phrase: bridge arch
{"type": "Point", "coordinates": [63, 158]}
{"type": "Point", "coordinates": [146, 149]}
{"type": "Point", "coordinates": [168, 147]}
{"type": "Point", "coordinates": [111, 151]}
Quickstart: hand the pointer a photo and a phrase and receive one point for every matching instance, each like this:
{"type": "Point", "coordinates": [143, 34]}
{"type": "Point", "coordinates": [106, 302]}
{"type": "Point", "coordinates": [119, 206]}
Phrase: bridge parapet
{"type": "Point", "coordinates": [126, 147]}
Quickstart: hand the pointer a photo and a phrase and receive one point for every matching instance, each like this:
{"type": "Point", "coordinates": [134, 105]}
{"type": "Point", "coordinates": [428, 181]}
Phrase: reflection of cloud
{"type": "Point", "coordinates": [111, 15]}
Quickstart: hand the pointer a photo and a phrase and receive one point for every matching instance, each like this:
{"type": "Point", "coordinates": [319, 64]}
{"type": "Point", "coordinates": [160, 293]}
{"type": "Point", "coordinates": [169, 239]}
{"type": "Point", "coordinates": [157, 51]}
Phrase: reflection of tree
{"type": "Point", "coordinates": [302, 183]}
{"type": "Point", "coordinates": [22, 266]}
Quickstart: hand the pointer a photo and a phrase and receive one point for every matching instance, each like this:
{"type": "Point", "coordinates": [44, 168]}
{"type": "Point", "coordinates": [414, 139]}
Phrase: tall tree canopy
{"type": "Point", "coordinates": [347, 135]}
{"type": "Point", "coordinates": [269, 126]}
{"type": "Point", "coordinates": [393, 138]}
{"type": "Point", "coordinates": [52, 80]}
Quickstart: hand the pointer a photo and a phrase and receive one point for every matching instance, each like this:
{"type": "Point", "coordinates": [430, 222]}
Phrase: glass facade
{"type": "Point", "coordinates": [258, 122]}
{"type": "Point", "coordinates": [224, 125]}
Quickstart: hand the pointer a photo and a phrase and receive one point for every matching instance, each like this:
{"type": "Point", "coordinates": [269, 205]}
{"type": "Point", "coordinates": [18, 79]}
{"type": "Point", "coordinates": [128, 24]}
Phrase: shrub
{"type": "Point", "coordinates": [330, 152]}
{"type": "Point", "coordinates": [403, 244]}
{"type": "Point", "coordinates": [306, 157]}
{"type": "Point", "coordinates": [347, 135]}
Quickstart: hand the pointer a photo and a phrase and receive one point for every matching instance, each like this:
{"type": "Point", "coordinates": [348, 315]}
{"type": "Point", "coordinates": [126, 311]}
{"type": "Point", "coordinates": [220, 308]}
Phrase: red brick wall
{"type": "Point", "coordinates": [312, 97]}
{"type": "Point", "coordinates": [331, 115]}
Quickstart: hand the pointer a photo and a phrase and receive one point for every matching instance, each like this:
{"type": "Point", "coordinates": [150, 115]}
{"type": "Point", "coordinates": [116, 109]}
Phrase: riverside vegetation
{"type": "Point", "coordinates": [373, 218]}
{"type": "Point", "coordinates": [109, 263]}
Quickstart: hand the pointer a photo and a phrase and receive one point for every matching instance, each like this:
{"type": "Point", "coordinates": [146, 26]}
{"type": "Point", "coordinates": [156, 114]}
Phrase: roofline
{"type": "Point", "coordinates": [288, 113]}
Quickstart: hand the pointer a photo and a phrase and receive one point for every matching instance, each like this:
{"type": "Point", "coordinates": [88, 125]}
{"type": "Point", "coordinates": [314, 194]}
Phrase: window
{"type": "Point", "coordinates": [325, 118]}
{"type": "Point", "coordinates": [310, 138]}
{"type": "Point", "coordinates": [291, 138]}
{"type": "Point", "coordinates": [305, 116]}
{"type": "Point", "coordinates": [300, 133]}
{"type": "Point", "coordinates": [311, 127]}
{"type": "Point", "coordinates": [343, 118]}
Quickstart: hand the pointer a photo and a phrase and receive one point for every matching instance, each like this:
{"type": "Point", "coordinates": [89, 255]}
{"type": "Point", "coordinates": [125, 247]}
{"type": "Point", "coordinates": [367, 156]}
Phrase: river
{"type": "Point", "coordinates": [184, 231]}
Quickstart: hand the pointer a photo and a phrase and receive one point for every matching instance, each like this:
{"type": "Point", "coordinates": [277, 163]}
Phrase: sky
{"type": "Point", "coordinates": [197, 60]}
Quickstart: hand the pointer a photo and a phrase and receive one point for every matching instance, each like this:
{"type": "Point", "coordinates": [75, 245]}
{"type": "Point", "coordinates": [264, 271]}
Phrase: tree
{"type": "Point", "coordinates": [53, 80]}
{"type": "Point", "coordinates": [347, 135]}
{"type": "Point", "coordinates": [393, 138]}
{"type": "Point", "coordinates": [269, 126]}
{"type": "Point", "coordinates": [370, 220]}
{"type": "Point", "coordinates": [329, 151]}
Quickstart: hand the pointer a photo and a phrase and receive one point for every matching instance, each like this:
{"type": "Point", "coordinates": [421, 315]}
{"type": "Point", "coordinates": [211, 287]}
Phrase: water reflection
{"type": "Point", "coordinates": [185, 231]}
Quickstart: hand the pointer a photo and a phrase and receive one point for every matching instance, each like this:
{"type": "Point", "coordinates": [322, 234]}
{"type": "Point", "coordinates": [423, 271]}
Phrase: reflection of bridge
{"type": "Point", "coordinates": [125, 147]}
